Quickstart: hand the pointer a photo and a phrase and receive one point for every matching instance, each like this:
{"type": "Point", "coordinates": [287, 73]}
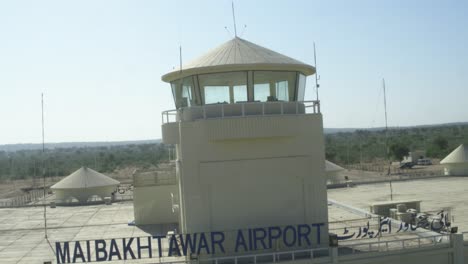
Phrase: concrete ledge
{"type": "Point", "coordinates": [170, 133]}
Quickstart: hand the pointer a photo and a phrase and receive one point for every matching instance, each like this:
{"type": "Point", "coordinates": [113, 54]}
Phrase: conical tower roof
{"type": "Point", "coordinates": [459, 155]}
{"type": "Point", "coordinates": [331, 167]}
{"type": "Point", "coordinates": [84, 178]}
{"type": "Point", "coordinates": [239, 55]}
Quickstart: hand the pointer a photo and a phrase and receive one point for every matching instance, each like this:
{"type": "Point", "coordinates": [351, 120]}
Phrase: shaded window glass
{"type": "Point", "coordinates": [183, 92]}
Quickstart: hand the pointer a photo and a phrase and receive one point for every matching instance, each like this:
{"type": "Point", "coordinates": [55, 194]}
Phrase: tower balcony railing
{"type": "Point", "coordinates": [247, 109]}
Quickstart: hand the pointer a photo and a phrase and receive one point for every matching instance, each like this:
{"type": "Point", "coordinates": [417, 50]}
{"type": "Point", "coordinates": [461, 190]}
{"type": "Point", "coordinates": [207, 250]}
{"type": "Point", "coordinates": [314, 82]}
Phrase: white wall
{"type": "Point", "coordinates": [82, 194]}
{"type": "Point", "coordinates": [153, 205]}
{"type": "Point", "coordinates": [334, 177]}
{"type": "Point", "coordinates": [460, 169]}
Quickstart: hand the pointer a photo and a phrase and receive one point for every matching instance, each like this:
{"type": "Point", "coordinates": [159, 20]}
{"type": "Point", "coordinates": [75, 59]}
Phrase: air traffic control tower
{"type": "Point", "coordinates": [250, 150]}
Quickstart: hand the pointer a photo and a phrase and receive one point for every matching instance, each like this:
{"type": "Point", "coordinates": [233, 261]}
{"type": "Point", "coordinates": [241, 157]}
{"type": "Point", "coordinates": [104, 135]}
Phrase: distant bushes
{"type": "Point", "coordinates": [342, 148]}
{"type": "Point", "coordinates": [368, 146]}
{"type": "Point", "coordinates": [24, 164]}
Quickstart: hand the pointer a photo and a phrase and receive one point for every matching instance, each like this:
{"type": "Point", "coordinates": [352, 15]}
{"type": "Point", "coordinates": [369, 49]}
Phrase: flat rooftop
{"type": "Point", "coordinates": [434, 193]}
{"type": "Point", "coordinates": [22, 229]}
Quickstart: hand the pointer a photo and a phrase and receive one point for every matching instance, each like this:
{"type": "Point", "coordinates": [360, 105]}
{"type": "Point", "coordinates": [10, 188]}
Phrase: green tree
{"type": "Point", "coordinates": [441, 142]}
{"type": "Point", "coordinates": [398, 150]}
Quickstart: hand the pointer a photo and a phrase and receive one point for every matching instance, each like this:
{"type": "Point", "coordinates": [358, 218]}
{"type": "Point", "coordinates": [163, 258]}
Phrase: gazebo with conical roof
{"type": "Point", "coordinates": [456, 163]}
{"type": "Point", "coordinates": [84, 184]}
{"type": "Point", "coordinates": [333, 171]}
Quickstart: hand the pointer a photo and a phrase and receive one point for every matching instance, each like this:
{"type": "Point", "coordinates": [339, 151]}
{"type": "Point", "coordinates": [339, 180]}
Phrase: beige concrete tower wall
{"type": "Point", "coordinates": [82, 195]}
{"type": "Point", "coordinates": [248, 172]}
{"type": "Point", "coordinates": [153, 204]}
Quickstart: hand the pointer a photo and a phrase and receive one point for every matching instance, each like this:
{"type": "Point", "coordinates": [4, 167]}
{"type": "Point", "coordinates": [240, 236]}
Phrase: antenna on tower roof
{"type": "Point", "coordinates": [180, 58]}
{"type": "Point", "coordinates": [234, 19]}
{"type": "Point", "coordinates": [316, 75]}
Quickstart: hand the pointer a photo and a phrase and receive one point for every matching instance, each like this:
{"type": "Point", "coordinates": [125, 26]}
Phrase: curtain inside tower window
{"type": "Point", "coordinates": [282, 93]}
{"type": "Point", "coordinates": [301, 87]}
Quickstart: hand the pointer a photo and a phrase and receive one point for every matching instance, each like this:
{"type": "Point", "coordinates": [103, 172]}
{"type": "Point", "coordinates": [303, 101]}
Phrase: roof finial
{"type": "Point", "coordinates": [234, 19]}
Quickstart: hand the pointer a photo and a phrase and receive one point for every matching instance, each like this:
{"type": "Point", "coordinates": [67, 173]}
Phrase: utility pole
{"type": "Point", "coordinates": [386, 141]}
{"type": "Point", "coordinates": [43, 169]}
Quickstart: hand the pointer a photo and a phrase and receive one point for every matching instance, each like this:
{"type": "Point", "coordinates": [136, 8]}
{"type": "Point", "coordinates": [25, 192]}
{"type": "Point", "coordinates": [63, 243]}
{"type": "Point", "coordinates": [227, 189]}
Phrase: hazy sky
{"type": "Point", "coordinates": [99, 63]}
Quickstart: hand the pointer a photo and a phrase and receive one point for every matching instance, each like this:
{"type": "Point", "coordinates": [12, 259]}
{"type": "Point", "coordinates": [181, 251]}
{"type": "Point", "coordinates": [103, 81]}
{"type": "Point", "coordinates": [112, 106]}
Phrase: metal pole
{"type": "Point", "coordinates": [316, 74]}
{"type": "Point", "coordinates": [386, 141]}
{"type": "Point", "coordinates": [234, 19]}
{"type": "Point", "coordinates": [180, 58]}
{"type": "Point", "coordinates": [43, 168]}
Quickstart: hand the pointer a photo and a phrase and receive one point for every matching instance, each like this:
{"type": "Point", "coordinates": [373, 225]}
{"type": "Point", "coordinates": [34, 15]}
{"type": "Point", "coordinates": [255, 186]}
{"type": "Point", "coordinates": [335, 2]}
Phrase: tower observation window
{"type": "Point", "coordinates": [227, 87]}
{"type": "Point", "coordinates": [239, 87]}
{"type": "Point", "coordinates": [301, 87]}
{"type": "Point", "coordinates": [183, 92]}
{"type": "Point", "coordinates": [274, 86]}
{"type": "Point", "coordinates": [216, 94]}
{"type": "Point", "coordinates": [261, 92]}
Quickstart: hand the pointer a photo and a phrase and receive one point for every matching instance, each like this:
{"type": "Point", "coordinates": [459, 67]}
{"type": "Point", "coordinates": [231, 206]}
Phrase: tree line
{"type": "Point", "coordinates": [23, 164]}
{"type": "Point", "coordinates": [360, 146]}
{"type": "Point", "coordinates": [365, 146]}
